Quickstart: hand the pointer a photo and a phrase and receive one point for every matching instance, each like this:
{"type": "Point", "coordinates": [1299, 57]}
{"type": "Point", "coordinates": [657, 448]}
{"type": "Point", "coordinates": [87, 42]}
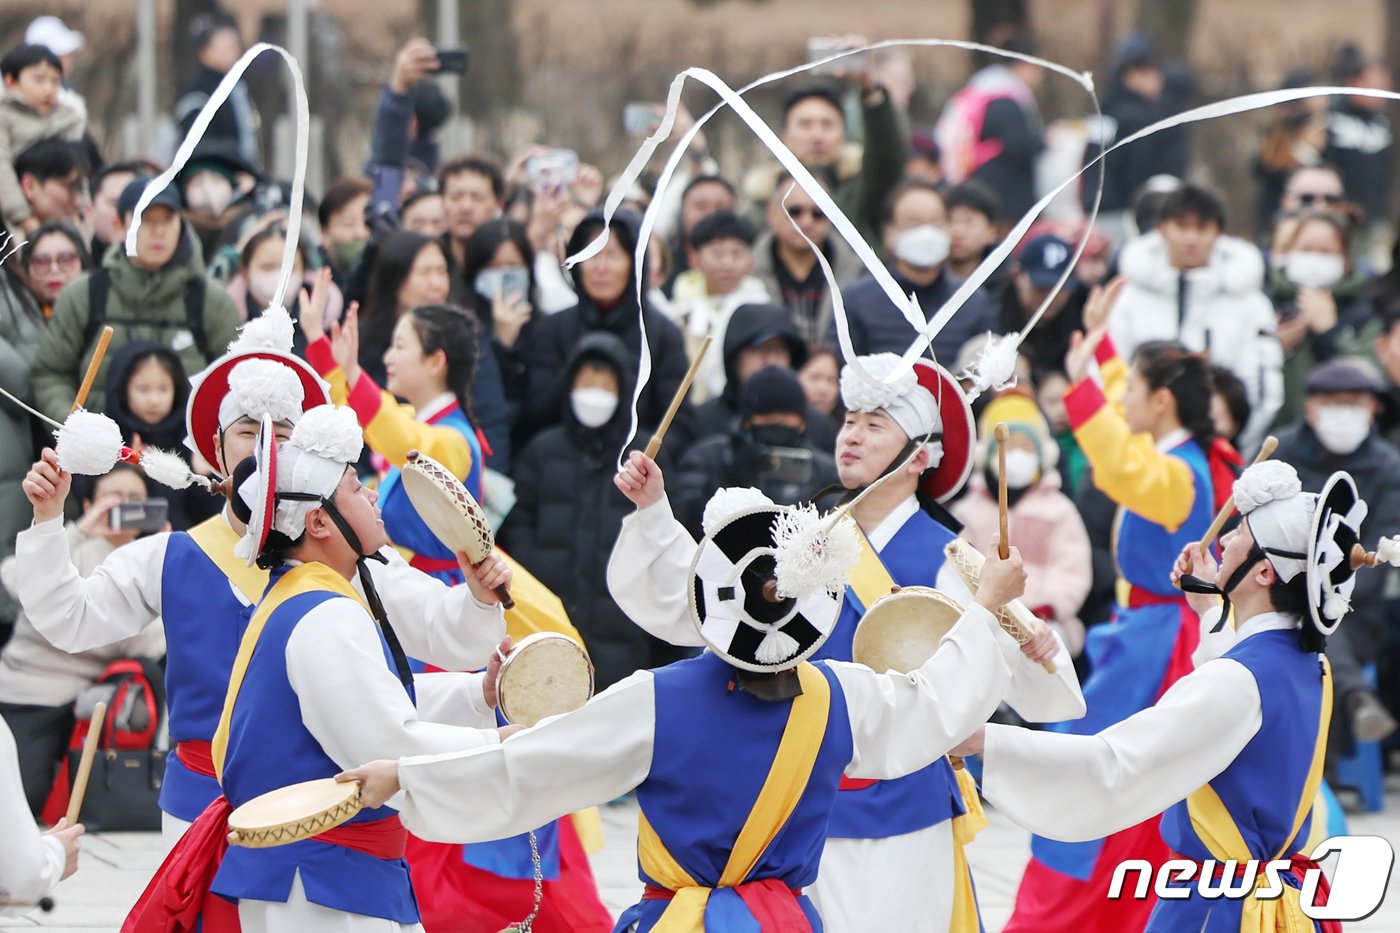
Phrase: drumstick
{"type": "Point", "coordinates": [1265, 452]}
{"type": "Point", "coordinates": [44, 903]}
{"type": "Point", "coordinates": [93, 366]}
{"type": "Point", "coordinates": [94, 733]}
{"type": "Point", "coordinates": [1003, 433]}
{"type": "Point", "coordinates": [654, 445]}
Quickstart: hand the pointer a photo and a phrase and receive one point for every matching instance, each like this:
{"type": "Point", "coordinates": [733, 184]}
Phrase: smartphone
{"type": "Point", "coordinates": [641, 118]}
{"type": "Point", "coordinates": [148, 516]}
{"type": "Point", "coordinates": [453, 61]}
{"type": "Point", "coordinates": [819, 47]}
{"type": "Point", "coordinates": [551, 171]}
{"type": "Point", "coordinates": [787, 465]}
{"type": "Point", "coordinates": [514, 280]}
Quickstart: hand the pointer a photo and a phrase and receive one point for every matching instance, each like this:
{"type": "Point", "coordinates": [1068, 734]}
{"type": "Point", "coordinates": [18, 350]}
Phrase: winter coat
{"type": "Point", "coordinates": [21, 126]}
{"type": "Point", "coordinates": [568, 513]}
{"type": "Point", "coordinates": [1223, 312]}
{"type": "Point", "coordinates": [735, 460]}
{"type": "Point", "coordinates": [813, 321]}
{"type": "Point", "coordinates": [699, 314]}
{"type": "Point", "coordinates": [877, 326]}
{"type": "Point", "coordinates": [720, 415]}
{"type": "Point", "coordinates": [1048, 532]}
{"type": "Point", "coordinates": [1354, 312]}
{"type": "Point", "coordinates": [553, 338]}
{"type": "Point", "coordinates": [1358, 144]}
{"type": "Point", "coordinates": [1048, 342]}
{"type": "Point", "coordinates": [236, 122]}
{"type": "Point", "coordinates": [21, 329]}
{"type": "Point", "coordinates": [1124, 113]}
{"type": "Point", "coordinates": [141, 305]}
{"type": "Point", "coordinates": [1012, 120]}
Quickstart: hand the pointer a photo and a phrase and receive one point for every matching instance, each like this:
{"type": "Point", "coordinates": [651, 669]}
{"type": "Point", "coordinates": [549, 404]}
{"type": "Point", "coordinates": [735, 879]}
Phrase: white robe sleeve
{"type": "Point", "coordinates": [350, 699]}
{"type": "Point", "coordinates": [1035, 694]}
{"type": "Point", "coordinates": [30, 864]}
{"type": "Point", "coordinates": [595, 754]}
{"type": "Point", "coordinates": [119, 600]}
{"type": "Point", "coordinates": [443, 625]}
{"type": "Point", "coordinates": [1079, 787]}
{"type": "Point", "coordinates": [1213, 644]}
{"type": "Point", "coordinates": [454, 699]}
{"type": "Point", "coordinates": [903, 722]}
{"type": "Point", "coordinates": [647, 574]}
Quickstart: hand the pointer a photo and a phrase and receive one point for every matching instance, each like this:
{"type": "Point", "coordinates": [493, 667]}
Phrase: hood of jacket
{"type": "Point", "coordinates": [1235, 267]}
{"type": "Point", "coordinates": [609, 350]}
{"type": "Point", "coordinates": [169, 432]}
{"type": "Point", "coordinates": [755, 323]}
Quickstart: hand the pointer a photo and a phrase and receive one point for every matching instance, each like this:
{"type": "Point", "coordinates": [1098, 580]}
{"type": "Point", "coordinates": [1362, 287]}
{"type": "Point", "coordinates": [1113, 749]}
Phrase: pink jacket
{"type": "Point", "coordinates": [1046, 528]}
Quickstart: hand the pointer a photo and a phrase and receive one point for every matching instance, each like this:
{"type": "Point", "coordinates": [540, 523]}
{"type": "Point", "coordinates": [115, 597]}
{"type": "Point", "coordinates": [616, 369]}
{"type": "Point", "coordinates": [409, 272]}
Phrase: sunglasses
{"type": "Point", "coordinates": [1308, 198]}
{"type": "Point", "coordinates": [60, 261]}
{"type": "Point", "coordinates": [797, 213]}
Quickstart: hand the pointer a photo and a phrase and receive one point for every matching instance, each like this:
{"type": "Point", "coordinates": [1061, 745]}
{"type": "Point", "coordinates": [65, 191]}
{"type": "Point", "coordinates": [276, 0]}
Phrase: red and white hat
{"type": "Point", "coordinates": [258, 377]}
{"type": "Point", "coordinates": [923, 399]}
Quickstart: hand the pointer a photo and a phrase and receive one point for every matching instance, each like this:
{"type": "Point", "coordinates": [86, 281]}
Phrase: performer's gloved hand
{"type": "Point", "coordinates": [379, 780]}
{"type": "Point", "coordinates": [640, 480]}
{"type": "Point", "coordinates": [493, 671]}
{"type": "Point", "coordinates": [46, 486]}
{"type": "Point", "coordinates": [1198, 562]}
{"type": "Point", "coordinates": [483, 578]}
{"type": "Point", "coordinates": [1002, 580]}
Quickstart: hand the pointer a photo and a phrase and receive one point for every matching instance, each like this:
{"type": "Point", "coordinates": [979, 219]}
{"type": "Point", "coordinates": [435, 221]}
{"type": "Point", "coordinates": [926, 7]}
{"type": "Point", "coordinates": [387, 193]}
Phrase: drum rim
{"type": "Point", "coordinates": [517, 651]}
{"type": "Point", "coordinates": [898, 595]}
{"type": "Point", "coordinates": [422, 474]}
{"type": "Point", "coordinates": [323, 820]}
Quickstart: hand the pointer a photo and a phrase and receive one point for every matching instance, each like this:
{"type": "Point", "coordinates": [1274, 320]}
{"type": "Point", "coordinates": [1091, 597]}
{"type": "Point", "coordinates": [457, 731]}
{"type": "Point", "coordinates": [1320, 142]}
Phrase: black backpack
{"type": "Point", "coordinates": [100, 287]}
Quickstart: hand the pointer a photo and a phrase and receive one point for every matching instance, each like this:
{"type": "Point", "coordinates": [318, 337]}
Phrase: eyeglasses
{"type": "Point", "coordinates": [68, 260]}
{"type": "Point", "coordinates": [1308, 197]}
{"type": "Point", "coordinates": [797, 213]}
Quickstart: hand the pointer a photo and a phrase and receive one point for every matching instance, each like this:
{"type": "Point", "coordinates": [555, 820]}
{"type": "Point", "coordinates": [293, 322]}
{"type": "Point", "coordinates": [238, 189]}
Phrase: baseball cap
{"type": "Point", "coordinates": [1045, 259]}
{"type": "Point", "coordinates": [50, 32]}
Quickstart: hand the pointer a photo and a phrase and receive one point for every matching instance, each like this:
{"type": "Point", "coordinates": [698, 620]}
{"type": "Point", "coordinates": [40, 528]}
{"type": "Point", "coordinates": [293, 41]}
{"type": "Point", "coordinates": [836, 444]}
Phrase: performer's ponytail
{"type": "Point", "coordinates": [454, 332]}
{"type": "Point", "coordinates": [1166, 364]}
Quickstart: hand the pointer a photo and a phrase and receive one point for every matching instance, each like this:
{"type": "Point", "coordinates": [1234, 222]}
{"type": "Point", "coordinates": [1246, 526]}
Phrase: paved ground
{"type": "Point", "coordinates": [117, 866]}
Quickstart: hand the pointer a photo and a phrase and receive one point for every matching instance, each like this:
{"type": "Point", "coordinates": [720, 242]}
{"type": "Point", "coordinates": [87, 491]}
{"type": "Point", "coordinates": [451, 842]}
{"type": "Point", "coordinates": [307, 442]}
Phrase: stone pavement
{"type": "Point", "coordinates": [116, 867]}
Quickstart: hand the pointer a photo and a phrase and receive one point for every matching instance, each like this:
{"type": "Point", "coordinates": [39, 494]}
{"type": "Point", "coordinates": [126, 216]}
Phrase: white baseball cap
{"type": "Point", "coordinates": [51, 32]}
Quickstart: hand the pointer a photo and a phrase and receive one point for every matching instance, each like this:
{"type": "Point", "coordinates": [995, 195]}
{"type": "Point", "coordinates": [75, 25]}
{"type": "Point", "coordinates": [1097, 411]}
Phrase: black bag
{"type": "Point", "coordinates": [123, 791]}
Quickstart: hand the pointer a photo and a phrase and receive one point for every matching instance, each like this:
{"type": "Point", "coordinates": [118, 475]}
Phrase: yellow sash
{"type": "Point", "coordinates": [869, 581]}
{"type": "Point", "coordinates": [1216, 828]}
{"type": "Point", "coordinates": [782, 789]}
{"type": "Point", "coordinates": [216, 538]}
{"type": "Point", "coordinates": [304, 578]}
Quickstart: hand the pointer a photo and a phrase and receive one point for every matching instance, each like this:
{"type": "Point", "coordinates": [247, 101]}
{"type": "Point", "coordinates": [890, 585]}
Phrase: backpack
{"type": "Point", "coordinates": [100, 287]}
{"type": "Point", "coordinates": [124, 790]}
{"type": "Point", "coordinates": [959, 133]}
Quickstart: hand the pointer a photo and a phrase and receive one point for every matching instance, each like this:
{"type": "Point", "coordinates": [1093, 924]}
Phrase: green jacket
{"type": "Point", "coordinates": [21, 328]}
{"type": "Point", "coordinates": [141, 305]}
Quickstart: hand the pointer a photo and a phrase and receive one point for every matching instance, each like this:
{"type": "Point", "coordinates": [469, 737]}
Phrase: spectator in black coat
{"type": "Point", "coordinates": [767, 451]}
{"type": "Point", "coordinates": [1042, 261]}
{"type": "Point", "coordinates": [607, 302]}
{"type": "Point", "coordinates": [219, 47]}
{"type": "Point", "coordinates": [1359, 140]}
{"type": "Point", "coordinates": [568, 513]}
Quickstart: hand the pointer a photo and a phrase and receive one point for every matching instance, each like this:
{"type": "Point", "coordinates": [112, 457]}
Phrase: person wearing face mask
{"type": "Point", "coordinates": [917, 241]}
{"type": "Point", "coordinates": [1044, 523]}
{"type": "Point", "coordinates": [215, 185]}
{"type": "Point", "coordinates": [568, 513]}
{"type": "Point", "coordinates": [254, 288]}
{"type": "Point", "coordinates": [767, 451]}
{"type": "Point", "coordinates": [1337, 432]}
{"type": "Point", "coordinates": [1320, 298]}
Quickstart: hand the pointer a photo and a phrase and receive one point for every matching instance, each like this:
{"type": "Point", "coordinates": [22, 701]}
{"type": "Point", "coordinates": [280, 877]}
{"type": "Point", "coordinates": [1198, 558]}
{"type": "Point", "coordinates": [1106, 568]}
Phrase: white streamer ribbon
{"type": "Point", "coordinates": [201, 125]}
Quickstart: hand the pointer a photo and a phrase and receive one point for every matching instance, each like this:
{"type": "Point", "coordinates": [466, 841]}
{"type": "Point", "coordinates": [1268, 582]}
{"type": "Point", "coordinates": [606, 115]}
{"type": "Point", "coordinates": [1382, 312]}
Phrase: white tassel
{"type": "Point", "coordinates": [813, 554]}
{"type": "Point", "coordinates": [777, 646]}
{"type": "Point", "coordinates": [1388, 551]}
{"type": "Point", "coordinates": [89, 444]}
{"type": "Point", "coordinates": [170, 470]}
{"type": "Point", "coordinates": [1335, 606]}
{"type": "Point", "coordinates": [244, 549]}
{"type": "Point", "coordinates": [995, 366]}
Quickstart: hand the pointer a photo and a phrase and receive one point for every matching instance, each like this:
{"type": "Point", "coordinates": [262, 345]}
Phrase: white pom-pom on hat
{"type": "Point", "coordinates": [258, 387]}
{"type": "Point", "coordinates": [89, 444]}
{"type": "Point", "coordinates": [1262, 483]}
{"type": "Point", "coordinates": [995, 366]}
{"type": "Point", "coordinates": [728, 502]}
{"type": "Point", "coordinates": [861, 394]}
{"type": "Point", "coordinates": [271, 330]}
{"type": "Point", "coordinates": [329, 431]}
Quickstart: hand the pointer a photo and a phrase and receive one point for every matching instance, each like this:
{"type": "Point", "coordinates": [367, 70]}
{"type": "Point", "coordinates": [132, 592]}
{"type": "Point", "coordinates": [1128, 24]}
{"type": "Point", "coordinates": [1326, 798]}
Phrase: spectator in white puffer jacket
{"type": "Point", "coordinates": [1189, 282]}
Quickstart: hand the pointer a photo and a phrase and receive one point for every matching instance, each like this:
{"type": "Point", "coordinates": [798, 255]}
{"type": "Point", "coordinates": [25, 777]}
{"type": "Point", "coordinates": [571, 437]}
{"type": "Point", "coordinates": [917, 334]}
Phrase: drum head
{"type": "Point", "coordinates": [447, 508]}
{"type": "Point", "coordinates": [902, 629]}
{"type": "Point", "coordinates": [546, 674]}
{"type": "Point", "coordinates": [295, 812]}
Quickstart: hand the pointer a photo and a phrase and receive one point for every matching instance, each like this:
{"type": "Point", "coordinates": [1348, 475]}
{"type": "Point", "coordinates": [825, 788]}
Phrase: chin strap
{"type": "Point", "coordinates": [1193, 584]}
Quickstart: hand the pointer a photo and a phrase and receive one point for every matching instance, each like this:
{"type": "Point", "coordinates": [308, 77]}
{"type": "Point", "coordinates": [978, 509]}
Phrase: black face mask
{"type": "Point", "coordinates": [775, 435]}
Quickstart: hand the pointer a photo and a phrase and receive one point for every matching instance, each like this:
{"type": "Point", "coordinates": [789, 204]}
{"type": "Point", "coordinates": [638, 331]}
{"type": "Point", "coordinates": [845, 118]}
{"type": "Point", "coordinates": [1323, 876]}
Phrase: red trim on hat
{"type": "Point", "coordinates": [267, 485]}
{"type": "Point", "coordinates": [202, 412]}
{"type": "Point", "coordinates": [959, 431]}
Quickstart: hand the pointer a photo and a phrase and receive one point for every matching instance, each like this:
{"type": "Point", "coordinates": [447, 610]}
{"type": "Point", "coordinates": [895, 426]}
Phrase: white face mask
{"type": "Point", "coordinates": [1314, 270]}
{"type": "Point", "coordinates": [922, 247]}
{"type": "Point", "coordinates": [593, 407]}
{"type": "Point", "coordinates": [1022, 468]}
{"type": "Point", "coordinates": [1342, 428]}
{"type": "Point", "coordinates": [209, 195]}
{"type": "Point", "coordinates": [262, 286]}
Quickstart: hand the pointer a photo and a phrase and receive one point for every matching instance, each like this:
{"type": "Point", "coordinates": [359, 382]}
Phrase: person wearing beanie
{"type": "Point", "coordinates": [1043, 521]}
{"type": "Point", "coordinates": [767, 450]}
{"type": "Point", "coordinates": [1231, 756]}
{"type": "Point", "coordinates": [895, 847]}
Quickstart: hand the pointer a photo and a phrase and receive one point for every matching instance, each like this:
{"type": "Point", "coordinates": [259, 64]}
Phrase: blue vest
{"type": "Point", "coordinates": [401, 520]}
{"type": "Point", "coordinates": [928, 797]}
{"type": "Point", "coordinates": [1146, 551]}
{"type": "Point", "coordinates": [713, 748]}
{"type": "Point", "coordinates": [204, 622]}
{"type": "Point", "coordinates": [269, 747]}
{"type": "Point", "coordinates": [1262, 787]}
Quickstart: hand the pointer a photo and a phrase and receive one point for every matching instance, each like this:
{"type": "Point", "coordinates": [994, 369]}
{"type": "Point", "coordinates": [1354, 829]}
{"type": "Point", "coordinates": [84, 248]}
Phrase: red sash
{"type": "Point", "coordinates": [1138, 597]}
{"type": "Point", "coordinates": [178, 896]}
{"type": "Point", "coordinates": [855, 783]}
{"type": "Point", "coordinates": [197, 756]}
{"type": "Point", "coordinates": [1299, 869]}
{"type": "Point", "coordinates": [433, 564]}
{"type": "Point", "coordinates": [773, 904]}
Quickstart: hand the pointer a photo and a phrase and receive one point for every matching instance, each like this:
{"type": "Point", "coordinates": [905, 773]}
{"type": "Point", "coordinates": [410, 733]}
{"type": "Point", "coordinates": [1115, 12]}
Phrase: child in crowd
{"type": "Point", "coordinates": [35, 106]}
